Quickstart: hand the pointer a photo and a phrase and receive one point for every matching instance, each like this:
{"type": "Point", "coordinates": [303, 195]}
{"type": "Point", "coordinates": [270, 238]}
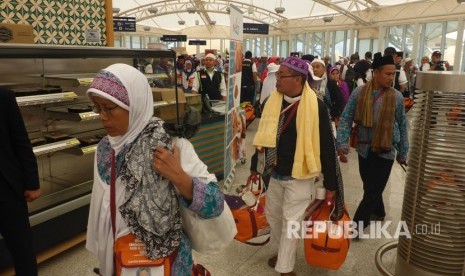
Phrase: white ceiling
{"type": "Point", "coordinates": [264, 11]}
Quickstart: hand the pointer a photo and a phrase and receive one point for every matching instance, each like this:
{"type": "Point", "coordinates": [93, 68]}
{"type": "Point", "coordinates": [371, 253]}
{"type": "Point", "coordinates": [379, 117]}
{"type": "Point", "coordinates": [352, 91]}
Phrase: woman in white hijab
{"type": "Point", "coordinates": [269, 84]}
{"type": "Point", "coordinates": [149, 176]}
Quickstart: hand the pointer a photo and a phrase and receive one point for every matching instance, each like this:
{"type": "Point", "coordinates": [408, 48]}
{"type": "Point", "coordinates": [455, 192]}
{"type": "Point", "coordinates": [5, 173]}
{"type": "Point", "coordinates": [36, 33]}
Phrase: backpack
{"type": "Point", "coordinates": [350, 74]}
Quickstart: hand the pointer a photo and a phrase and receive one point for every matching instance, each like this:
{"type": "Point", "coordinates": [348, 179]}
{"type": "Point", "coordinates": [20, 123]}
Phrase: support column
{"type": "Point", "coordinates": [327, 51]}
{"type": "Point", "coordinates": [222, 47]}
{"type": "Point", "coordinates": [109, 33]}
{"type": "Point", "coordinates": [381, 38]}
{"type": "Point", "coordinates": [275, 46]}
{"type": "Point", "coordinates": [416, 44]}
{"type": "Point", "coordinates": [262, 44]}
{"type": "Point", "coordinates": [292, 47]}
{"type": "Point", "coordinates": [352, 42]}
{"type": "Point", "coordinates": [459, 46]}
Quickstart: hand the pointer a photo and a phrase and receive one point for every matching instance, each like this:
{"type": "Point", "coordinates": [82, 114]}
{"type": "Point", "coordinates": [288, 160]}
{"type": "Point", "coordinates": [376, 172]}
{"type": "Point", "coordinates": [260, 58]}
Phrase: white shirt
{"type": "Point", "coordinates": [192, 81]}
{"type": "Point", "coordinates": [195, 86]}
{"type": "Point", "coordinates": [402, 77]}
{"type": "Point", "coordinates": [425, 67]}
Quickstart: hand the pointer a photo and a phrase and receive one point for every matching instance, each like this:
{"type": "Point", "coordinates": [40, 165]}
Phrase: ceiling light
{"type": "Point", "coordinates": [250, 10]}
{"type": "Point", "coordinates": [327, 19]}
{"type": "Point", "coordinates": [191, 10]}
{"type": "Point", "coordinates": [153, 10]}
{"type": "Point", "coordinates": [197, 22]}
{"type": "Point", "coordinates": [181, 22]}
{"type": "Point", "coordinates": [146, 28]}
{"type": "Point", "coordinates": [212, 22]}
{"type": "Point", "coordinates": [228, 9]}
{"type": "Point", "coordinates": [279, 10]}
{"type": "Point", "coordinates": [116, 10]}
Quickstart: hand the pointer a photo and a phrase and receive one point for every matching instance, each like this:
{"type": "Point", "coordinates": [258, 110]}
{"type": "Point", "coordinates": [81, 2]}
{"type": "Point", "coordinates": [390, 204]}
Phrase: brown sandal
{"type": "Point", "coordinates": [272, 261]}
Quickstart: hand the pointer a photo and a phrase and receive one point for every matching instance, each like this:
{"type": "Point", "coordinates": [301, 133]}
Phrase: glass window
{"type": "Point", "coordinates": [128, 41]}
{"type": "Point", "coordinates": [284, 48]}
{"type": "Point", "coordinates": [269, 46]}
{"type": "Point", "coordinates": [364, 45]}
{"type": "Point", "coordinates": [347, 44]}
{"type": "Point", "coordinates": [338, 45]}
{"type": "Point", "coordinates": [256, 52]}
{"type": "Point", "coordinates": [318, 44]}
{"type": "Point", "coordinates": [136, 42]}
{"type": "Point", "coordinates": [432, 38]}
{"type": "Point", "coordinates": [374, 49]}
{"type": "Point", "coordinates": [118, 41]}
{"type": "Point", "coordinates": [300, 43]}
{"type": "Point", "coordinates": [247, 44]}
{"type": "Point", "coordinates": [450, 42]}
{"type": "Point", "coordinates": [409, 33]}
{"type": "Point", "coordinates": [395, 37]}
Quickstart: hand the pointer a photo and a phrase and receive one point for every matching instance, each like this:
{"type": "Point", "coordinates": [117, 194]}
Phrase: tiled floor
{"type": "Point", "coordinates": [242, 259]}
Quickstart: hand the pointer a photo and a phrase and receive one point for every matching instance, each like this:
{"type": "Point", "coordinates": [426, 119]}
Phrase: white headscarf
{"type": "Point", "coordinates": [139, 95]}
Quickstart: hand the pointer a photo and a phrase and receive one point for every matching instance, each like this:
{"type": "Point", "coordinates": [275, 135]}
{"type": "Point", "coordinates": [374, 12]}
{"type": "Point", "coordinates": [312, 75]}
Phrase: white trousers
{"type": "Point", "coordinates": [286, 201]}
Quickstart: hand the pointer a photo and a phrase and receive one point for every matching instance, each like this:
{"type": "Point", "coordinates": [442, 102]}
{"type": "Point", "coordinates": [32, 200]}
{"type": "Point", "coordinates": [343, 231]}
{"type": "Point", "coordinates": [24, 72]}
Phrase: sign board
{"type": "Point", "coordinates": [197, 42]}
{"type": "Point", "coordinates": [173, 38]}
{"type": "Point", "coordinates": [93, 36]}
{"type": "Point", "coordinates": [254, 28]}
{"type": "Point", "coordinates": [124, 24]}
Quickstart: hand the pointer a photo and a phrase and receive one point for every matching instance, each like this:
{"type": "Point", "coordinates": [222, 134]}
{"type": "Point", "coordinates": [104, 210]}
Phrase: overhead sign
{"type": "Point", "coordinates": [173, 38]}
{"type": "Point", "coordinates": [124, 24]}
{"type": "Point", "coordinates": [254, 28]}
{"type": "Point", "coordinates": [197, 42]}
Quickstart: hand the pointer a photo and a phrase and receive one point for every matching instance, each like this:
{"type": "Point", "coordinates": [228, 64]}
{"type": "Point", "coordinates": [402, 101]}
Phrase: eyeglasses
{"type": "Point", "coordinates": [103, 110]}
{"type": "Point", "coordinates": [278, 76]}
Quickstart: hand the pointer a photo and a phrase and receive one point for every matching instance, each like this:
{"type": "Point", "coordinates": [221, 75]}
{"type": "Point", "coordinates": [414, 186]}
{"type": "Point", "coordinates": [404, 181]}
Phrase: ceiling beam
{"type": "Point", "coordinates": [198, 4]}
{"type": "Point", "coordinates": [343, 11]}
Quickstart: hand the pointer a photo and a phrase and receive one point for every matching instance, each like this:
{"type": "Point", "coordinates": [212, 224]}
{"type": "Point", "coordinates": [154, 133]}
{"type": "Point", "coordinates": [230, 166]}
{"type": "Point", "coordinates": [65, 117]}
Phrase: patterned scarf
{"type": "Point", "coordinates": [383, 134]}
{"type": "Point", "coordinates": [150, 208]}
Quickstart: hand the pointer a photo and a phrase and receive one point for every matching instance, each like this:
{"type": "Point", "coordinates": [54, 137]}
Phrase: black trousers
{"type": "Point", "coordinates": [248, 94]}
{"type": "Point", "coordinates": [374, 172]}
{"type": "Point", "coordinates": [16, 232]}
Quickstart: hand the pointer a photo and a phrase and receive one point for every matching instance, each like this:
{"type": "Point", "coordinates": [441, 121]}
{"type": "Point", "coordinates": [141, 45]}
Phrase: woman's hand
{"type": "Point", "coordinates": [168, 165]}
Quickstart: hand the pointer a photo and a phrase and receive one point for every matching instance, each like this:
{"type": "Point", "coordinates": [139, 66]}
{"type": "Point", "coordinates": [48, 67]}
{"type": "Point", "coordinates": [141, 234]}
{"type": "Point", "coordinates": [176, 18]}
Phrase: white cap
{"type": "Point", "coordinates": [319, 61]}
{"type": "Point", "coordinates": [407, 60]}
{"type": "Point", "coordinates": [210, 55]}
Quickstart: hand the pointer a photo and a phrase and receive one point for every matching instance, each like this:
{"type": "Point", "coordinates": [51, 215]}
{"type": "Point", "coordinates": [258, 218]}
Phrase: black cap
{"type": "Point", "coordinates": [308, 57]}
{"type": "Point", "coordinates": [380, 60]}
{"type": "Point", "coordinates": [389, 51]}
{"type": "Point", "coordinates": [436, 53]}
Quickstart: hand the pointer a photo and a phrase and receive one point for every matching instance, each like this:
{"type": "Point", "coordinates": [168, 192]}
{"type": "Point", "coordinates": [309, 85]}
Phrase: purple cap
{"type": "Point", "coordinates": [296, 64]}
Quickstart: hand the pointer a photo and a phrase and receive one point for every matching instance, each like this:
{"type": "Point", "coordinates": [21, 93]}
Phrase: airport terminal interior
{"type": "Point", "coordinates": [197, 56]}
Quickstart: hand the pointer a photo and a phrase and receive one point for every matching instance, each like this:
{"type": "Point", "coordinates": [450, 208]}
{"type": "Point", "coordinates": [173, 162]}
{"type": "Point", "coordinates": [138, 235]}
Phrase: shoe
{"type": "Point", "coordinates": [97, 270]}
{"type": "Point", "coordinates": [272, 261]}
{"type": "Point", "coordinates": [292, 273]}
{"type": "Point", "coordinates": [343, 158]}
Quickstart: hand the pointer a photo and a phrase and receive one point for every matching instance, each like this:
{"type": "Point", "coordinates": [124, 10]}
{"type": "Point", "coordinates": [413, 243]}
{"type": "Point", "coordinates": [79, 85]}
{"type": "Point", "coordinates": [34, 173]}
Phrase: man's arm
{"type": "Point", "coordinates": [20, 143]}
{"type": "Point", "coordinates": [223, 88]}
{"type": "Point", "coordinates": [403, 146]}
{"type": "Point", "coordinates": [402, 80]}
{"type": "Point", "coordinates": [327, 149]}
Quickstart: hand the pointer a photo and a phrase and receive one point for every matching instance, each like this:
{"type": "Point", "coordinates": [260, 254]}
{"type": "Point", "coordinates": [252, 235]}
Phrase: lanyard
{"type": "Point", "coordinates": [292, 111]}
{"type": "Point", "coordinates": [113, 193]}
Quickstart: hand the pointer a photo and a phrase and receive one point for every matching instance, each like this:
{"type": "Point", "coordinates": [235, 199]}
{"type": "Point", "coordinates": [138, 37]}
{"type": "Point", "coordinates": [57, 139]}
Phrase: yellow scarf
{"type": "Point", "coordinates": [307, 153]}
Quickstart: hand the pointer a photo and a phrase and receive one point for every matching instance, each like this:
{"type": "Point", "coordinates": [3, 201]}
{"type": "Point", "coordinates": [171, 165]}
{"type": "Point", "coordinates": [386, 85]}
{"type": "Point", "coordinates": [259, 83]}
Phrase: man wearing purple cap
{"type": "Point", "coordinates": [294, 129]}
